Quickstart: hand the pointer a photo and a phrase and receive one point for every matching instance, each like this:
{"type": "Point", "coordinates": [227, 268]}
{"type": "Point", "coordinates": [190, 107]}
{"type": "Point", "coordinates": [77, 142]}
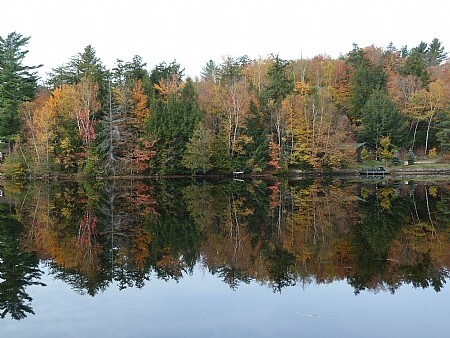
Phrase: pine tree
{"type": "Point", "coordinates": [18, 83]}
{"type": "Point", "coordinates": [435, 54]}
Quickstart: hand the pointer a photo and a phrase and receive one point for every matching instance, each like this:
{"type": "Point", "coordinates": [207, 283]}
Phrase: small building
{"type": "Point", "coordinates": [367, 147]}
{"type": "Point", "coordinates": [5, 149]}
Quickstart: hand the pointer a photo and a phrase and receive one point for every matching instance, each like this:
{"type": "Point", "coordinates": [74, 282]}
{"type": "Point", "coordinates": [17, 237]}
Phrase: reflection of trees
{"type": "Point", "coordinates": [18, 269]}
{"type": "Point", "coordinates": [176, 237]}
{"type": "Point", "coordinates": [375, 236]}
{"type": "Point", "coordinates": [424, 274]}
{"type": "Point", "coordinates": [281, 269]}
{"type": "Point", "coordinates": [394, 240]}
{"type": "Point", "coordinates": [381, 219]}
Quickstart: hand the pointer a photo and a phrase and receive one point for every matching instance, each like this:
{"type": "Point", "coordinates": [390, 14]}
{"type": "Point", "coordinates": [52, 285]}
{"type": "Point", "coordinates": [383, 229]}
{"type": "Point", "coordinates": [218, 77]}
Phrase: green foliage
{"type": "Point", "coordinates": [125, 75]}
{"type": "Point", "coordinates": [415, 65]}
{"type": "Point", "coordinates": [385, 151]}
{"type": "Point", "coordinates": [443, 131]}
{"type": "Point", "coordinates": [18, 83]}
{"type": "Point", "coordinates": [220, 158]}
{"type": "Point", "coordinates": [92, 167]}
{"type": "Point", "coordinates": [85, 64]}
{"type": "Point", "coordinates": [364, 154]}
{"type": "Point", "coordinates": [421, 57]}
{"type": "Point", "coordinates": [18, 269]}
{"type": "Point", "coordinates": [164, 72]}
{"type": "Point", "coordinates": [134, 70]}
{"type": "Point", "coordinates": [381, 118]}
{"type": "Point", "coordinates": [435, 53]}
{"type": "Point", "coordinates": [15, 166]}
{"type": "Point", "coordinates": [172, 123]}
{"type": "Point", "coordinates": [199, 149]}
{"type": "Point", "coordinates": [244, 104]}
{"type": "Point", "coordinates": [230, 71]}
{"type": "Point", "coordinates": [209, 72]}
{"type": "Point", "coordinates": [365, 79]}
{"type": "Point", "coordinates": [258, 150]}
{"type": "Point", "coordinates": [280, 82]}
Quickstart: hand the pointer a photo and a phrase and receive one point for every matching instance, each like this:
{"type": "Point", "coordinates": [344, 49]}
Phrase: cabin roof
{"type": "Point", "coordinates": [359, 145]}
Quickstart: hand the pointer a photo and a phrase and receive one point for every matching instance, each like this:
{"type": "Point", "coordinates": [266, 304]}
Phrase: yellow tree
{"type": "Point", "coordinates": [143, 149]}
{"type": "Point", "coordinates": [315, 129]}
{"type": "Point", "coordinates": [139, 110]}
{"type": "Point", "coordinates": [37, 126]}
{"type": "Point", "coordinates": [63, 103]}
{"type": "Point", "coordinates": [427, 102]}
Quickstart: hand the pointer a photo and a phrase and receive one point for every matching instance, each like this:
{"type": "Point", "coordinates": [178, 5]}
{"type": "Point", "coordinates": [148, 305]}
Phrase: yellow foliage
{"type": "Point", "coordinates": [140, 105]}
{"type": "Point", "coordinates": [302, 88]}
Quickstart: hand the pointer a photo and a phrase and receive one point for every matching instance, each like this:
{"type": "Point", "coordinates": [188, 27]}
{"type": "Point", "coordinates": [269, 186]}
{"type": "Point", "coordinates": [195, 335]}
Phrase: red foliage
{"type": "Point", "coordinates": [142, 155]}
{"type": "Point", "coordinates": [274, 155]}
{"type": "Point", "coordinates": [143, 200]}
{"type": "Point", "coordinates": [275, 196]}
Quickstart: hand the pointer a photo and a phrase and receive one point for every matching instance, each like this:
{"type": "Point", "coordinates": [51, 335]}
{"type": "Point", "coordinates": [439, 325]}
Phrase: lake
{"type": "Point", "coordinates": [186, 258]}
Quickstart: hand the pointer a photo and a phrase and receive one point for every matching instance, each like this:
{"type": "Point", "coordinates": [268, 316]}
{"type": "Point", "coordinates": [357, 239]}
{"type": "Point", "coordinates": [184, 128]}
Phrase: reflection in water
{"type": "Point", "coordinates": [18, 269]}
{"type": "Point", "coordinates": [374, 236]}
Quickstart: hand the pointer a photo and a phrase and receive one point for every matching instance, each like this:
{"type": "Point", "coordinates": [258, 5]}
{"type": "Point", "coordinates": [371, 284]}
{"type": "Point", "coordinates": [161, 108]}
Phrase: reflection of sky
{"type": "Point", "coordinates": [203, 306]}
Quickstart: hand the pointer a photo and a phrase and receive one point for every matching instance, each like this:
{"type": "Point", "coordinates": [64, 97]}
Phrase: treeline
{"type": "Point", "coordinates": [263, 115]}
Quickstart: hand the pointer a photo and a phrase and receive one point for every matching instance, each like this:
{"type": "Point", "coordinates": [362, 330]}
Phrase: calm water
{"type": "Point", "coordinates": [220, 259]}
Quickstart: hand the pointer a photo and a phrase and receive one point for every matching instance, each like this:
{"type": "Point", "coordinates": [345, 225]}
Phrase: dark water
{"type": "Point", "coordinates": [220, 259]}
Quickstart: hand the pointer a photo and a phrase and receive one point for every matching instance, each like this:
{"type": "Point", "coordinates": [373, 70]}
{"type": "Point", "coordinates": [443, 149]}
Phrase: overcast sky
{"type": "Point", "coordinates": [194, 31]}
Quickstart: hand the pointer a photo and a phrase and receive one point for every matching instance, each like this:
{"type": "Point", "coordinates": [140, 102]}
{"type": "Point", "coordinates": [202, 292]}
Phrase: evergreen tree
{"type": "Point", "coordinates": [164, 73]}
{"type": "Point", "coordinates": [85, 64]}
{"type": "Point", "coordinates": [381, 118]}
{"type": "Point", "coordinates": [443, 131]}
{"type": "Point", "coordinates": [172, 123]}
{"type": "Point", "coordinates": [364, 80]}
{"type": "Point", "coordinates": [18, 83]}
{"type": "Point", "coordinates": [420, 58]}
{"type": "Point", "coordinates": [209, 72]}
{"type": "Point", "coordinates": [258, 149]}
{"type": "Point", "coordinates": [435, 53]}
{"type": "Point", "coordinates": [280, 83]}
{"type": "Point", "coordinates": [197, 156]}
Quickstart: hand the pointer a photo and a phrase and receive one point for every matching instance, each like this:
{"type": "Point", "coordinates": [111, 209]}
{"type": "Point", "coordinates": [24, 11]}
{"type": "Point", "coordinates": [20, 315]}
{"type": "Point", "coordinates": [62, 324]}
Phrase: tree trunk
{"type": "Point", "coordinates": [414, 135]}
{"type": "Point", "coordinates": [428, 134]}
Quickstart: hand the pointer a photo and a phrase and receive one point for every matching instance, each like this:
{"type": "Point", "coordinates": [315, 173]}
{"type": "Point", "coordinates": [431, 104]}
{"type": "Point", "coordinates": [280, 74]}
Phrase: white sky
{"type": "Point", "coordinates": [194, 31]}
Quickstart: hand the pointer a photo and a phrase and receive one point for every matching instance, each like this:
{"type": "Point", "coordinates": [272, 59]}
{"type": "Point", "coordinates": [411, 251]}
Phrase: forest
{"type": "Point", "coordinates": [266, 115]}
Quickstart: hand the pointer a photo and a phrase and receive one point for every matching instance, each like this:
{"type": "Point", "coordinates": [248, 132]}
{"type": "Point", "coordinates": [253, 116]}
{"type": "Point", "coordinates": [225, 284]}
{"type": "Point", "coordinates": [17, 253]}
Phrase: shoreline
{"type": "Point", "coordinates": [293, 175]}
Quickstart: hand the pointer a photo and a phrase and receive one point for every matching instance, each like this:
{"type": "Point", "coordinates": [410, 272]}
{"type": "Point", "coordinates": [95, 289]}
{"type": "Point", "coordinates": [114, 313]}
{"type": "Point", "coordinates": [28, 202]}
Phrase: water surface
{"type": "Point", "coordinates": [219, 259]}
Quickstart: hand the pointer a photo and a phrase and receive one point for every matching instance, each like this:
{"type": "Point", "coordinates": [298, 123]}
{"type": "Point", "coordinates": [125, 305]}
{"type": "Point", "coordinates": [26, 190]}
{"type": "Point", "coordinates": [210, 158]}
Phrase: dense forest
{"type": "Point", "coordinates": [262, 115]}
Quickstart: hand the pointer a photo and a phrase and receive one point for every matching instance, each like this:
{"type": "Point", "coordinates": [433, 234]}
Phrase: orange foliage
{"type": "Point", "coordinates": [140, 109]}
